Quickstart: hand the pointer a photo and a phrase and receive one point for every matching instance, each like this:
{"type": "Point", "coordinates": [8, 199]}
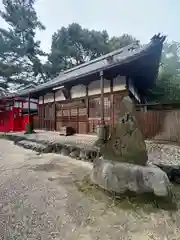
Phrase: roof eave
{"type": "Point", "coordinates": [156, 40]}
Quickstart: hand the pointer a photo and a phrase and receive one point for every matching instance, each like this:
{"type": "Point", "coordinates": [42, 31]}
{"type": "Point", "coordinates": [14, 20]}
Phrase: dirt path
{"type": "Point", "coordinates": [40, 200]}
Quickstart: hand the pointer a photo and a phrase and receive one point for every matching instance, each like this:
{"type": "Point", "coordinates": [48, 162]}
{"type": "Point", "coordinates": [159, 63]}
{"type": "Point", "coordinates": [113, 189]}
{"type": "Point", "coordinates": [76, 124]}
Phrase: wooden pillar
{"type": "Point", "coordinates": [43, 113]}
{"type": "Point", "coordinates": [22, 106]}
{"type": "Point", "coordinates": [87, 109]}
{"type": "Point", "coordinates": [77, 122]}
{"type": "Point", "coordinates": [102, 97]}
{"type": "Point", "coordinates": [54, 111]}
{"type": "Point", "coordinates": [29, 109]}
{"type": "Point", "coordinates": [111, 104]}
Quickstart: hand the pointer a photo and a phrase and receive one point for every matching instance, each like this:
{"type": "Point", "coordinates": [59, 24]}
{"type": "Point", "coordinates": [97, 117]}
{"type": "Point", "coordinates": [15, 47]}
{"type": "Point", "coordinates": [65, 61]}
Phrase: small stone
{"type": "Point", "coordinates": [172, 171]}
{"type": "Point", "coordinates": [74, 154]}
{"type": "Point", "coordinates": [58, 149]}
{"type": "Point", "coordinates": [65, 151]}
{"type": "Point", "coordinates": [52, 178]}
{"type": "Point", "coordinates": [82, 154]}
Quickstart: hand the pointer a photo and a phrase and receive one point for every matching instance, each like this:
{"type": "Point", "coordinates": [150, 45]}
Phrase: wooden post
{"type": "Point", "coordinates": [87, 109]}
{"type": "Point", "coordinates": [43, 113]}
{"type": "Point", "coordinates": [102, 97]}
{"type": "Point", "coordinates": [54, 111]}
{"type": "Point", "coordinates": [111, 104]}
{"type": "Point", "coordinates": [22, 106]}
{"type": "Point", "coordinates": [29, 109]}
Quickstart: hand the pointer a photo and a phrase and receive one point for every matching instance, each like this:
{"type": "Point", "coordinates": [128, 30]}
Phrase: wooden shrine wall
{"type": "Point", "coordinates": [47, 116]}
{"type": "Point", "coordinates": [72, 113]}
{"type": "Point", "coordinates": [83, 114]}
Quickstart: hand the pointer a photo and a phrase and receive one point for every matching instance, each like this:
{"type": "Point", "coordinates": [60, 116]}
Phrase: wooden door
{"type": "Point", "coordinates": [72, 114]}
{"type": "Point", "coordinates": [49, 116]}
{"type": "Point", "coordinates": [41, 116]}
{"type": "Point", "coordinates": [95, 112]}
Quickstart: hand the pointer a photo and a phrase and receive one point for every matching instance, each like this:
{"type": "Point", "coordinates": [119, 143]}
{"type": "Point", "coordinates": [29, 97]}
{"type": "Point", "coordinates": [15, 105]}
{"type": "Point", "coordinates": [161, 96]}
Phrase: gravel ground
{"type": "Point", "coordinates": [163, 153]}
{"type": "Point", "coordinates": [40, 200]}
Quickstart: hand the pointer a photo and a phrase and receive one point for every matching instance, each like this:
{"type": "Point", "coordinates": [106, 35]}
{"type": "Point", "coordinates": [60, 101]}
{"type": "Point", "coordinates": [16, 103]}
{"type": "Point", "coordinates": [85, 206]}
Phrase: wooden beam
{"type": "Point", "coordinates": [54, 111]}
{"type": "Point", "coordinates": [102, 97]}
{"type": "Point", "coordinates": [43, 113]}
{"type": "Point", "coordinates": [29, 109]}
{"type": "Point", "coordinates": [111, 104]}
{"type": "Point", "coordinates": [22, 106]}
{"type": "Point", "coordinates": [87, 109]}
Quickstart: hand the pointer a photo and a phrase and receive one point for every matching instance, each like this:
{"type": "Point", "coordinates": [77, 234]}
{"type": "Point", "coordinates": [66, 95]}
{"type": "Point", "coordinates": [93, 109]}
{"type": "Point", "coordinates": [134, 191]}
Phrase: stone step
{"type": "Point", "coordinates": [38, 147]}
{"type": "Point", "coordinates": [77, 152]}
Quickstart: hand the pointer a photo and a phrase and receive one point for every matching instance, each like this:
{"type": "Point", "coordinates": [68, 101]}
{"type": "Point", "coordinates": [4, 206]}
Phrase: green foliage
{"type": "Point", "coordinates": [122, 41]}
{"type": "Point", "coordinates": [19, 52]}
{"type": "Point", "coordinates": [74, 45]}
{"type": "Point", "coordinates": [168, 82]}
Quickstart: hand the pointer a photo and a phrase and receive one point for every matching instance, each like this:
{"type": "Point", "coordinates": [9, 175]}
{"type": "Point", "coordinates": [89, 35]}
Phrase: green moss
{"type": "Point", "coordinates": [129, 200]}
{"type": "Point", "coordinates": [3, 136]}
{"type": "Point", "coordinates": [29, 129]}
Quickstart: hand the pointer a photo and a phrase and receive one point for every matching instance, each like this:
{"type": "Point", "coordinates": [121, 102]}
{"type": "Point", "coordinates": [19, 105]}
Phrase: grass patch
{"type": "Point", "coordinates": [47, 167]}
{"type": "Point", "coordinates": [3, 136]}
{"type": "Point", "coordinates": [129, 200]}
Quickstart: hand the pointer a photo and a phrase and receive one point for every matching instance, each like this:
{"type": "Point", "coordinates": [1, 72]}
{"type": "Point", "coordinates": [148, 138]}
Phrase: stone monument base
{"type": "Point", "coordinates": [123, 177]}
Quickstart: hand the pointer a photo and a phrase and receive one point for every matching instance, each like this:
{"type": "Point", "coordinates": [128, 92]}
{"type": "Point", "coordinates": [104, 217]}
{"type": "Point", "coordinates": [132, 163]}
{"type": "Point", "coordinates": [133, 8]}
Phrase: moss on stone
{"type": "Point", "coordinates": [126, 143]}
{"type": "Point", "coordinates": [129, 200]}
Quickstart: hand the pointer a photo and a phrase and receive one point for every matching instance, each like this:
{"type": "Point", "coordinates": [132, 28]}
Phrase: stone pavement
{"type": "Point", "coordinates": [39, 199]}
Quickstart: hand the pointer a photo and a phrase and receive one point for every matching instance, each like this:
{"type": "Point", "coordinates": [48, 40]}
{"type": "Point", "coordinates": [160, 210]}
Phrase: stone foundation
{"type": "Point", "coordinates": [124, 177]}
{"type": "Point", "coordinates": [42, 146]}
{"type": "Point", "coordinates": [88, 153]}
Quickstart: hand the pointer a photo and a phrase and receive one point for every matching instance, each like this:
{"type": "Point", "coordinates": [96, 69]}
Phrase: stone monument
{"type": "Point", "coordinates": [122, 167]}
{"type": "Point", "coordinates": [126, 142]}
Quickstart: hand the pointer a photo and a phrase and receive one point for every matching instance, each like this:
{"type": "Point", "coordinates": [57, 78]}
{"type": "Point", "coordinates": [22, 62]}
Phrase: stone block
{"type": "Point", "coordinates": [126, 142]}
{"type": "Point", "coordinates": [123, 177]}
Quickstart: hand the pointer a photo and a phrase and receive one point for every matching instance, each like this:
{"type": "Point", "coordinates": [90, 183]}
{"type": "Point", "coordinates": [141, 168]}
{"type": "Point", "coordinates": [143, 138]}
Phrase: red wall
{"type": "Point", "coordinates": [13, 121]}
{"type": "Point", "coordinates": [6, 121]}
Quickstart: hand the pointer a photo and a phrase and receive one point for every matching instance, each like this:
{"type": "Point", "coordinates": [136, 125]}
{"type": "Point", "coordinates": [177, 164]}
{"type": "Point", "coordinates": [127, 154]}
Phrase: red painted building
{"type": "Point", "coordinates": [14, 115]}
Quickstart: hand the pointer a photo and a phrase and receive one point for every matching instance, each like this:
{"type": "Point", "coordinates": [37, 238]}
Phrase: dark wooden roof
{"type": "Point", "coordinates": [125, 55]}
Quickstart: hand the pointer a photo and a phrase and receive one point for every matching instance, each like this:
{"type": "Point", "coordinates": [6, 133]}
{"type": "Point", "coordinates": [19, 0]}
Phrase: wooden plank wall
{"type": "Point", "coordinates": [36, 121]}
{"type": "Point", "coordinates": [149, 122]}
{"type": "Point", "coordinates": [160, 125]}
{"type": "Point", "coordinates": [72, 113]}
{"type": "Point", "coordinates": [81, 114]}
{"type": "Point", "coordinates": [84, 116]}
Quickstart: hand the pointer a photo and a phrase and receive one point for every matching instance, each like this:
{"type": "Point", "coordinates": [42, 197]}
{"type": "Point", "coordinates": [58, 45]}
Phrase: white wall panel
{"type": "Point", "coordinates": [59, 96]}
{"type": "Point", "coordinates": [78, 91]}
{"type": "Point", "coordinates": [119, 83]}
{"type": "Point", "coordinates": [94, 87]}
{"type": "Point", "coordinates": [41, 100]}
